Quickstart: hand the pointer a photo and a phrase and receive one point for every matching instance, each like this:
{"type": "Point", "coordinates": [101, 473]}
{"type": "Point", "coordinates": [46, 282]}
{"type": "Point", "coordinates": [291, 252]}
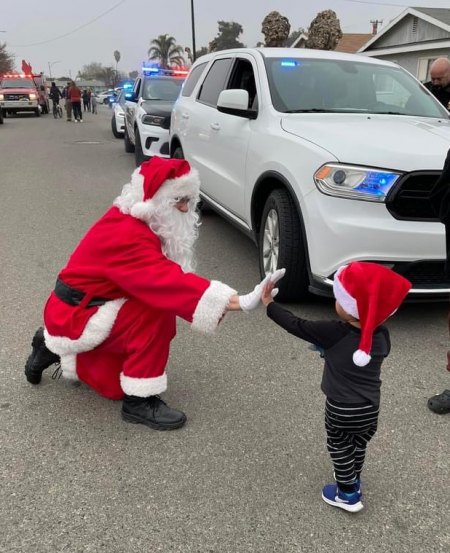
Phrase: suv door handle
{"type": "Point", "coordinates": [185, 115]}
{"type": "Point", "coordinates": [215, 126]}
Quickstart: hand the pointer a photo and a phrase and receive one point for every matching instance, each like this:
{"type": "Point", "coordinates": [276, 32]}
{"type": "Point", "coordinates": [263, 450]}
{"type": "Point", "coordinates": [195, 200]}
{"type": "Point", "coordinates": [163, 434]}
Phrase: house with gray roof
{"type": "Point", "coordinates": [414, 40]}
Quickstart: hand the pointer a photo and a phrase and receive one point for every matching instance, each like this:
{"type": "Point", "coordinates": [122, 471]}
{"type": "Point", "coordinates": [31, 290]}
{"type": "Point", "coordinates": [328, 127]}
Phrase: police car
{"type": "Point", "coordinates": [118, 109]}
{"type": "Point", "coordinates": [148, 111]}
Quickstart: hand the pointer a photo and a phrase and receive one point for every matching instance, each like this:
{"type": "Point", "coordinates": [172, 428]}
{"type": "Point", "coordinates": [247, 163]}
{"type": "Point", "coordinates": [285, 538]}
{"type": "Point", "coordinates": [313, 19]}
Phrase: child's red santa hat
{"type": "Point", "coordinates": [370, 293]}
{"type": "Point", "coordinates": [158, 179]}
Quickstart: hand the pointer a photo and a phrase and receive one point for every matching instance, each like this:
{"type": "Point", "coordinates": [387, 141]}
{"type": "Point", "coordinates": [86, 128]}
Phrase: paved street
{"type": "Point", "coordinates": [246, 472]}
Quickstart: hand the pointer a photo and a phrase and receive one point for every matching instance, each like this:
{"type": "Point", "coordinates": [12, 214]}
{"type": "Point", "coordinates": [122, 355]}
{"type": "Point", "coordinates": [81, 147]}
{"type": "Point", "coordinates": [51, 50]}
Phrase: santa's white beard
{"type": "Point", "coordinates": [178, 232]}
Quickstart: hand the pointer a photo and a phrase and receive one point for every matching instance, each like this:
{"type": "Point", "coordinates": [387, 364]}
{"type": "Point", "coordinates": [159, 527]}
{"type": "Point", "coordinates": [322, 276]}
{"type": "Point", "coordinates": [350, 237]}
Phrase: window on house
{"type": "Point", "coordinates": [423, 68]}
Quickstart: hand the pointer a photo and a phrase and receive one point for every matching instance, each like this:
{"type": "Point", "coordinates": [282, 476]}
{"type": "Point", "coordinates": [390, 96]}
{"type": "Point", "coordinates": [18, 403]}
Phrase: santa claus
{"type": "Point", "coordinates": [112, 315]}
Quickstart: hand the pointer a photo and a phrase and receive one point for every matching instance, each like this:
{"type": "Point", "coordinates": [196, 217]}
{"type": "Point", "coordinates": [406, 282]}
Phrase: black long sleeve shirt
{"type": "Point", "coordinates": [342, 380]}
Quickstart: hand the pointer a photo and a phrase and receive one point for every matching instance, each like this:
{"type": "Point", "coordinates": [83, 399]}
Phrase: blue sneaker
{"type": "Point", "coordinates": [350, 502]}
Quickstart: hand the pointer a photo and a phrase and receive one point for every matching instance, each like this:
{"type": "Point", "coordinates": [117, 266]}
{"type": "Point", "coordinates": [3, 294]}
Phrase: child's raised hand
{"type": "Point", "coordinates": [269, 290]}
{"type": "Point", "coordinates": [266, 296]}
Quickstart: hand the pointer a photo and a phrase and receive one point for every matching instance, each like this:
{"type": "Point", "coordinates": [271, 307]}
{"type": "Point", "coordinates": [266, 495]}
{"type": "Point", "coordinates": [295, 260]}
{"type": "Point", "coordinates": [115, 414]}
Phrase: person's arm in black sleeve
{"type": "Point", "coordinates": [321, 333]}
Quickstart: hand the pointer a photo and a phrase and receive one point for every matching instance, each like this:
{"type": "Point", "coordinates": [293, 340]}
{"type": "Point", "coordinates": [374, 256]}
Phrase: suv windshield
{"type": "Point", "coordinates": [162, 88]}
{"type": "Point", "coordinates": [18, 83]}
{"type": "Point", "coordinates": [299, 85]}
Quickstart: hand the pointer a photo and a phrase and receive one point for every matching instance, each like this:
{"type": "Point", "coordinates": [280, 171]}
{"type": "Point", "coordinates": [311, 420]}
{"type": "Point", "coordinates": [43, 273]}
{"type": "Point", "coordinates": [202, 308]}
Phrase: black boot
{"type": "Point", "coordinates": [41, 358]}
{"type": "Point", "coordinates": [151, 411]}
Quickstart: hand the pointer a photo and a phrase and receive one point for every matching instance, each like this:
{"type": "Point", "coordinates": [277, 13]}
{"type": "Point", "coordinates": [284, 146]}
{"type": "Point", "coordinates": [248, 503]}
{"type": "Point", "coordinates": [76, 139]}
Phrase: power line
{"type": "Point", "coordinates": [73, 31]}
{"type": "Point", "coordinates": [377, 3]}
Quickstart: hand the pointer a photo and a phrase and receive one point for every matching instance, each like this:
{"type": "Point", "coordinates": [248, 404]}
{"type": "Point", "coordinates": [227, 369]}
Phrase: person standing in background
{"type": "Point", "coordinates": [93, 103]}
{"type": "Point", "coordinates": [75, 98]}
{"type": "Point", "coordinates": [85, 100]}
{"type": "Point", "coordinates": [439, 85]}
{"type": "Point", "coordinates": [68, 103]}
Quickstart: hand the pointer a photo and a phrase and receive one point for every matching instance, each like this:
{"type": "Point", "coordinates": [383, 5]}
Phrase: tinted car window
{"type": "Point", "coordinates": [164, 88]}
{"type": "Point", "coordinates": [18, 83]}
{"type": "Point", "coordinates": [302, 85]}
{"type": "Point", "coordinates": [192, 80]}
{"type": "Point", "coordinates": [214, 82]}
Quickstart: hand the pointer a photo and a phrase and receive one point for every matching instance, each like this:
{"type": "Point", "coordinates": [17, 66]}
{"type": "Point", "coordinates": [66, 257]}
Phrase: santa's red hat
{"type": "Point", "coordinates": [155, 180]}
{"type": "Point", "coordinates": [370, 293]}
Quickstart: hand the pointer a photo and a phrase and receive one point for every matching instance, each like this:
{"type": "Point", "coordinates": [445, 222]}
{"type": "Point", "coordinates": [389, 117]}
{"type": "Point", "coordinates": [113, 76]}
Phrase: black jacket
{"type": "Point", "coordinates": [55, 93]}
{"type": "Point", "coordinates": [440, 201]}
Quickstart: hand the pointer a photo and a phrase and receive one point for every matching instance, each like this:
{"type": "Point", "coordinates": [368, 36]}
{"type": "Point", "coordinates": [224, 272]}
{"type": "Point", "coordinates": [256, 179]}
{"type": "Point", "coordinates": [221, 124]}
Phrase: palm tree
{"type": "Point", "coordinates": [165, 49]}
{"type": "Point", "coordinates": [117, 58]}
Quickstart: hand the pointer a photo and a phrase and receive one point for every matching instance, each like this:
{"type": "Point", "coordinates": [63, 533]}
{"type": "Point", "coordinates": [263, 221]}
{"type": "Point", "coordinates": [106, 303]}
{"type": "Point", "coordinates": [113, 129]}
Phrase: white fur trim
{"type": "Point", "coordinates": [69, 366]}
{"type": "Point", "coordinates": [186, 185]}
{"type": "Point", "coordinates": [347, 302]}
{"type": "Point", "coordinates": [212, 306]}
{"type": "Point", "coordinates": [132, 192]}
{"type": "Point", "coordinates": [95, 332]}
{"type": "Point", "coordinates": [143, 387]}
{"type": "Point", "coordinates": [131, 201]}
{"type": "Point", "coordinates": [361, 358]}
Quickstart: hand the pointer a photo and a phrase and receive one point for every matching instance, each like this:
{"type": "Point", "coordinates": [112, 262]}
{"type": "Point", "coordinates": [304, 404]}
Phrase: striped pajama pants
{"type": "Point", "coordinates": [349, 428]}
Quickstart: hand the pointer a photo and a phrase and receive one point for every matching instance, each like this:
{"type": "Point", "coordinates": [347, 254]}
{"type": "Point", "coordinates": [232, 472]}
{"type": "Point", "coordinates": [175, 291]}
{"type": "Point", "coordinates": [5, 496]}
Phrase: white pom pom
{"type": "Point", "coordinates": [361, 358]}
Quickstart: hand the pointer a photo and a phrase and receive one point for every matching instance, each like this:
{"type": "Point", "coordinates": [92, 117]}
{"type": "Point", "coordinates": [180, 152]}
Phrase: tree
{"type": "Point", "coordinates": [275, 28]}
{"type": "Point", "coordinates": [324, 32]}
{"type": "Point", "coordinates": [227, 36]}
{"type": "Point", "coordinates": [166, 51]}
{"type": "Point", "coordinates": [92, 71]}
{"type": "Point", "coordinates": [117, 58]}
{"type": "Point", "coordinates": [199, 53]}
{"type": "Point", "coordinates": [6, 60]}
{"type": "Point", "coordinates": [109, 76]}
{"type": "Point", "coordinates": [133, 75]}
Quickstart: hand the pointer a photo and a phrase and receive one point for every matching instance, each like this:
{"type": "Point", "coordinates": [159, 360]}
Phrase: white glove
{"type": "Point", "coordinates": [251, 300]}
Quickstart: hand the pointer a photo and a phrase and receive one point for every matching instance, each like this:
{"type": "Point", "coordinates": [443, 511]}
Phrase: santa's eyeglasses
{"type": "Point", "coordinates": [182, 199]}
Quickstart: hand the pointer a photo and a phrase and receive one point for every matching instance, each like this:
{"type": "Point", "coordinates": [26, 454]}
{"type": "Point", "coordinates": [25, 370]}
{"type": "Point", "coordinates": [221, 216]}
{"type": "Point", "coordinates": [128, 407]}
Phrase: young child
{"type": "Point", "coordinates": [367, 294]}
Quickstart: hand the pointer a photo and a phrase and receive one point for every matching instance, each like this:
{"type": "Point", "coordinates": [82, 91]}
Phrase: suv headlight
{"type": "Point", "coordinates": [156, 120]}
{"type": "Point", "coordinates": [356, 183]}
{"type": "Point", "coordinates": [33, 96]}
{"type": "Point", "coordinates": [2, 98]}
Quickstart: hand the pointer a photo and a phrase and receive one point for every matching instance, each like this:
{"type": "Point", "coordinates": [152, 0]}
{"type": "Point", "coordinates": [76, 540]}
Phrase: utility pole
{"type": "Point", "coordinates": [375, 23]}
{"type": "Point", "coordinates": [193, 30]}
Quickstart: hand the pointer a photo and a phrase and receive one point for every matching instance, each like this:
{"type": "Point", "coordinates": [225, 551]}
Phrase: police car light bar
{"type": "Point", "coordinates": [156, 70]}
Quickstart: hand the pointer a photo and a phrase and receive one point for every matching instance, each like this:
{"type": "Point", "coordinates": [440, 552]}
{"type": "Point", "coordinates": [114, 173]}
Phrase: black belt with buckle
{"type": "Point", "coordinates": [74, 297]}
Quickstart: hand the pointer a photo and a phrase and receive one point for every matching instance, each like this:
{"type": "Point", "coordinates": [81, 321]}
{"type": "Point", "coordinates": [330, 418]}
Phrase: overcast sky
{"type": "Point", "coordinates": [93, 29]}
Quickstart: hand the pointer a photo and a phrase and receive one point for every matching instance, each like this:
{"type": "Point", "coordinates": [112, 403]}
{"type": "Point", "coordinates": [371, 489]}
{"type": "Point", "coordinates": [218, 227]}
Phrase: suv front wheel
{"type": "Point", "coordinates": [129, 146]}
{"type": "Point", "coordinates": [138, 152]}
{"type": "Point", "coordinates": [281, 245]}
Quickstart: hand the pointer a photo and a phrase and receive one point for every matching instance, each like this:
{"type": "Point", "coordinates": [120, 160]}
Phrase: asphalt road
{"type": "Point", "coordinates": [245, 474]}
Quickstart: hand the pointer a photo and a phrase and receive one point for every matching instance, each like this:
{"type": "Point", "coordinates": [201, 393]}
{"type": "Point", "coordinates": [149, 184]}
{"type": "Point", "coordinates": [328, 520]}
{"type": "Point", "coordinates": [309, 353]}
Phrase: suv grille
{"type": "Point", "coordinates": [409, 198]}
{"type": "Point", "coordinates": [16, 97]}
{"type": "Point", "coordinates": [424, 274]}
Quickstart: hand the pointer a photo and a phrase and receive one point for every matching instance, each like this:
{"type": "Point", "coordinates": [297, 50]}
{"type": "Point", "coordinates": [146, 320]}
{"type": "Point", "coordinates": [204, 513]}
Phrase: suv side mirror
{"type": "Point", "coordinates": [235, 102]}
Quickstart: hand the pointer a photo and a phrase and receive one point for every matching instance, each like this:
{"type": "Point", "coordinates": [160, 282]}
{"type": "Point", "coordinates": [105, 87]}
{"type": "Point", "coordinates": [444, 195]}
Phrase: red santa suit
{"type": "Point", "coordinates": [122, 346]}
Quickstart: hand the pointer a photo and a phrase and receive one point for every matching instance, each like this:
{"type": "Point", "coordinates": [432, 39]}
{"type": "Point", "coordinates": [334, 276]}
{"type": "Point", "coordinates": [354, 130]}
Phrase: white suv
{"type": "Point", "coordinates": [322, 158]}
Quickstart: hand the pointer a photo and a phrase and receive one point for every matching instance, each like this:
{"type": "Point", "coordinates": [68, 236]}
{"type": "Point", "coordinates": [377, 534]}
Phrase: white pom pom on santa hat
{"type": "Point", "coordinates": [361, 358]}
{"type": "Point", "coordinates": [370, 293]}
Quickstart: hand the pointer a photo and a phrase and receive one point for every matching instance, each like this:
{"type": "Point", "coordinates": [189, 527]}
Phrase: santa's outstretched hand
{"type": "Point", "coordinates": [250, 301]}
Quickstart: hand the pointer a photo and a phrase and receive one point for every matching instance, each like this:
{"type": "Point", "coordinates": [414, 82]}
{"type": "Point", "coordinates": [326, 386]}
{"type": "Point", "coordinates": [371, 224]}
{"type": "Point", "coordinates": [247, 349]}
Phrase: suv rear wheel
{"type": "Point", "coordinates": [281, 245]}
{"type": "Point", "coordinates": [202, 205]}
{"type": "Point", "coordinates": [178, 153]}
{"type": "Point", "coordinates": [115, 132]}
